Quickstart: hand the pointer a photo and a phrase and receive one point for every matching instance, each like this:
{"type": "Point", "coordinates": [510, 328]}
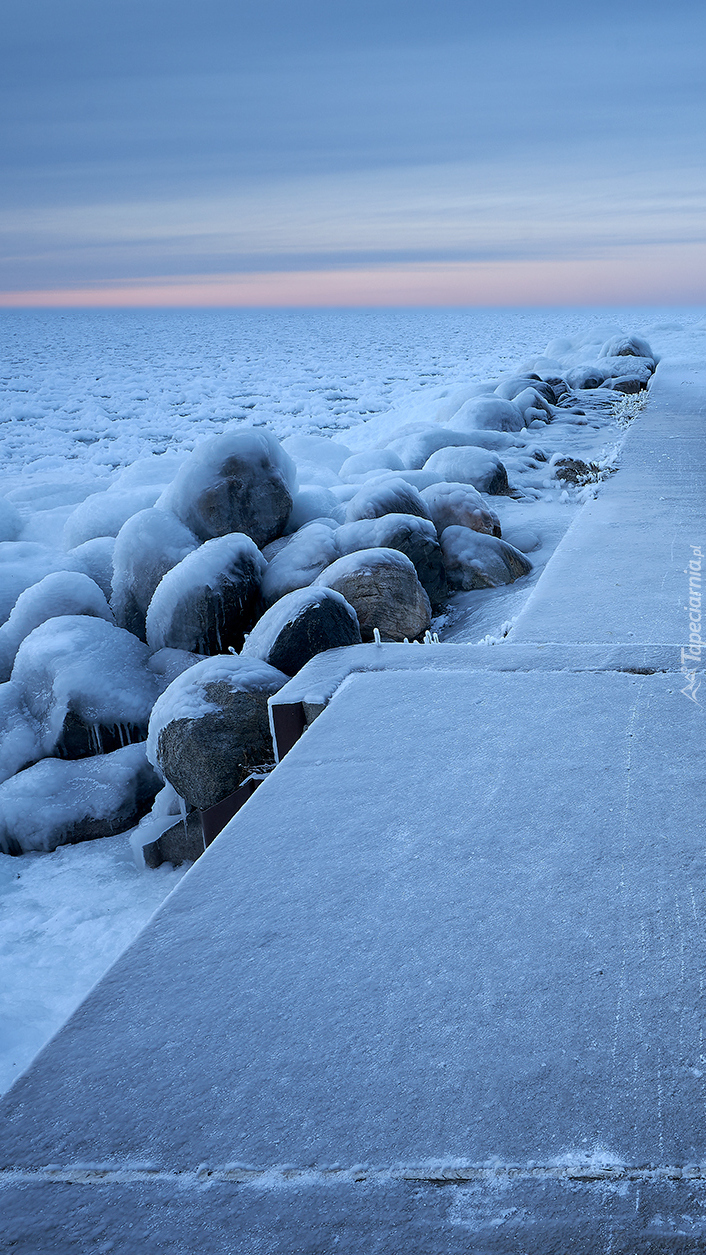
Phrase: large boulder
{"type": "Point", "coordinates": [85, 684]}
{"type": "Point", "coordinates": [104, 513]}
{"type": "Point", "coordinates": [410, 535]}
{"type": "Point", "coordinates": [63, 592]}
{"type": "Point", "coordinates": [479, 467]}
{"type": "Point", "coordinates": [488, 413]}
{"type": "Point", "coordinates": [19, 733]}
{"type": "Point", "coordinates": [300, 625]}
{"type": "Point", "coordinates": [24, 563]}
{"type": "Point", "coordinates": [476, 560]}
{"type": "Point", "coordinates": [242, 481]}
{"type": "Point", "coordinates": [358, 464]}
{"type": "Point", "coordinates": [61, 803]}
{"type": "Point", "coordinates": [146, 547]}
{"type": "Point", "coordinates": [209, 600]}
{"type": "Point", "coordinates": [298, 561]}
{"type": "Point", "coordinates": [382, 587]}
{"type": "Point", "coordinates": [460, 505]}
{"type": "Point", "coordinates": [510, 389]}
{"type": "Point", "coordinates": [626, 346]}
{"type": "Point", "coordinates": [210, 728]}
{"type": "Point", "coordinates": [413, 450]}
{"type": "Point", "coordinates": [385, 496]}
{"type": "Point", "coordinates": [95, 559]}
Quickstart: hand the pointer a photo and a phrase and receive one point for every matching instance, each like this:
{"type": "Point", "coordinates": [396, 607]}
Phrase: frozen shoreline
{"type": "Point", "coordinates": [62, 441]}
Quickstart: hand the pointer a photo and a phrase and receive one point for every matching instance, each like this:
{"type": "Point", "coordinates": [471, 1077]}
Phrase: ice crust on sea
{"type": "Point", "coordinates": [61, 593]}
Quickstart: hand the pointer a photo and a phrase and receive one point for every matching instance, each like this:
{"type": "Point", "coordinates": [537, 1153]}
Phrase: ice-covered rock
{"type": "Point", "coordinates": [531, 403]}
{"type": "Point", "coordinates": [156, 469]}
{"type": "Point", "coordinates": [627, 384]}
{"type": "Point", "coordinates": [448, 408]}
{"type": "Point", "coordinates": [382, 587]}
{"type": "Point", "coordinates": [104, 513]}
{"type": "Point", "coordinates": [167, 664]}
{"type": "Point", "coordinates": [58, 803]}
{"type": "Point", "coordinates": [242, 481]}
{"type": "Point", "coordinates": [310, 503]}
{"type": "Point", "coordinates": [317, 450]}
{"type": "Point", "coordinates": [359, 464]}
{"type": "Point", "coordinates": [300, 625]}
{"type": "Point", "coordinates": [95, 559]}
{"type": "Point", "coordinates": [87, 685]}
{"type": "Point", "coordinates": [491, 413]}
{"type": "Point", "coordinates": [460, 505]}
{"type": "Point", "coordinates": [476, 560]}
{"type": "Point", "coordinates": [510, 389]}
{"type": "Point", "coordinates": [299, 561]}
{"type": "Point", "coordinates": [626, 346]}
{"type": "Point", "coordinates": [10, 521]}
{"type": "Point", "coordinates": [146, 547]}
{"type": "Point", "coordinates": [23, 563]}
{"type": "Point", "coordinates": [414, 450]}
{"type": "Point", "coordinates": [408, 534]}
{"type": "Point", "coordinates": [63, 592]}
{"type": "Point", "coordinates": [210, 728]}
{"type": "Point", "coordinates": [19, 733]}
{"type": "Point", "coordinates": [208, 601]}
{"type": "Point", "coordinates": [479, 467]}
{"type": "Point", "coordinates": [594, 374]}
{"type": "Point", "coordinates": [386, 496]}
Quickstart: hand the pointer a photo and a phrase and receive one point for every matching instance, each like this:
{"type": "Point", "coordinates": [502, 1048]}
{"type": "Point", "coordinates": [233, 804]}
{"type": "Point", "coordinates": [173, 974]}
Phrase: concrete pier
{"type": "Point", "coordinates": [439, 986]}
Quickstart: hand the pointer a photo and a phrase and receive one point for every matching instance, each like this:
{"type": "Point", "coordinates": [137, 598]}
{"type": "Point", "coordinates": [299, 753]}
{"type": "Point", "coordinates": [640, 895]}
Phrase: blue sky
{"type": "Point", "coordinates": [176, 142]}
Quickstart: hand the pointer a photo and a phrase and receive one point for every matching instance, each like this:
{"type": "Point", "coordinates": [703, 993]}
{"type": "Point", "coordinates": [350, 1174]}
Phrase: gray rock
{"type": "Point", "coordinates": [476, 560]}
{"type": "Point", "coordinates": [385, 496]}
{"type": "Point", "coordinates": [58, 803]}
{"type": "Point", "coordinates": [626, 384]}
{"type": "Point", "coordinates": [410, 535]}
{"type": "Point", "coordinates": [382, 587]}
{"type": "Point", "coordinates": [574, 470]}
{"type": "Point", "coordinates": [300, 625]}
{"type": "Point", "coordinates": [241, 481]}
{"type": "Point", "coordinates": [182, 843]}
{"type": "Point", "coordinates": [147, 546]}
{"type": "Point", "coordinates": [460, 505]}
{"type": "Point", "coordinates": [209, 600]}
{"type": "Point", "coordinates": [210, 729]}
{"type": "Point", "coordinates": [479, 467]}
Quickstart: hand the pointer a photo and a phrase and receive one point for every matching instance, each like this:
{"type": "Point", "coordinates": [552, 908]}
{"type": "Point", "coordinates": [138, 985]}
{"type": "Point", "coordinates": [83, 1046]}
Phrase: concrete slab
{"type": "Point", "coordinates": [418, 950]}
{"type": "Point", "coordinates": [618, 575]}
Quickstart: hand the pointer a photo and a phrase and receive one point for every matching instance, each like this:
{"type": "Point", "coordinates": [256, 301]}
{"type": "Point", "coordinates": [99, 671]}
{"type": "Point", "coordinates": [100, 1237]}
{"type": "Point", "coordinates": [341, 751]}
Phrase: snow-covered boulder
{"type": "Point", "coordinates": [209, 600]}
{"type": "Point", "coordinates": [167, 664]}
{"type": "Point", "coordinates": [63, 592]}
{"type": "Point", "coordinates": [460, 505]}
{"type": "Point", "coordinates": [104, 513]}
{"type": "Point", "coordinates": [242, 481]}
{"type": "Point", "coordinates": [479, 467]}
{"type": "Point", "coordinates": [358, 464]}
{"type": "Point", "coordinates": [626, 346]}
{"type": "Point", "coordinates": [414, 450]}
{"type": "Point", "coordinates": [488, 413]}
{"type": "Point", "coordinates": [533, 405]}
{"type": "Point", "coordinates": [24, 563]}
{"type": "Point", "coordinates": [300, 625]}
{"type": "Point", "coordinates": [298, 562]}
{"type": "Point", "coordinates": [382, 587]}
{"type": "Point", "coordinates": [146, 547]}
{"type": "Point", "coordinates": [316, 450]}
{"type": "Point", "coordinates": [19, 733]}
{"type": "Point", "coordinates": [386, 496]}
{"type": "Point", "coordinates": [95, 559]}
{"type": "Point", "coordinates": [510, 389]}
{"type": "Point", "coordinates": [210, 728]}
{"type": "Point", "coordinates": [627, 384]}
{"type": "Point", "coordinates": [310, 503]}
{"type": "Point", "coordinates": [58, 803]}
{"type": "Point", "coordinates": [86, 684]}
{"type": "Point", "coordinates": [408, 534]}
{"type": "Point", "coordinates": [476, 560]}
{"type": "Point", "coordinates": [10, 521]}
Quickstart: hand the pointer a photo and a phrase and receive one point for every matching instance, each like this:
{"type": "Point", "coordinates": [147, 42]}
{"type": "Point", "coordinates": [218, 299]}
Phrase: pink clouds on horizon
{"type": "Point", "coordinates": [674, 274]}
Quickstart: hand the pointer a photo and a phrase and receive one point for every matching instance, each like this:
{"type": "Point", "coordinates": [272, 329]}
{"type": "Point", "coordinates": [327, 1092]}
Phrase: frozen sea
{"type": "Point", "coordinates": [85, 394]}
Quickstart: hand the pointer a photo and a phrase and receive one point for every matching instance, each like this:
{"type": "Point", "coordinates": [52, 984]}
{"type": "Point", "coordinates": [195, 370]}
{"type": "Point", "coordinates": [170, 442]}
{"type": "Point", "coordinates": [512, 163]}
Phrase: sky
{"type": "Point", "coordinates": [296, 152]}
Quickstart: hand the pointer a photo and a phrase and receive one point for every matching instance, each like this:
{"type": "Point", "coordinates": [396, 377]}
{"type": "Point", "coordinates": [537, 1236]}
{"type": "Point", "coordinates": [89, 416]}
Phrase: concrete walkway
{"type": "Point", "coordinates": [438, 988]}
